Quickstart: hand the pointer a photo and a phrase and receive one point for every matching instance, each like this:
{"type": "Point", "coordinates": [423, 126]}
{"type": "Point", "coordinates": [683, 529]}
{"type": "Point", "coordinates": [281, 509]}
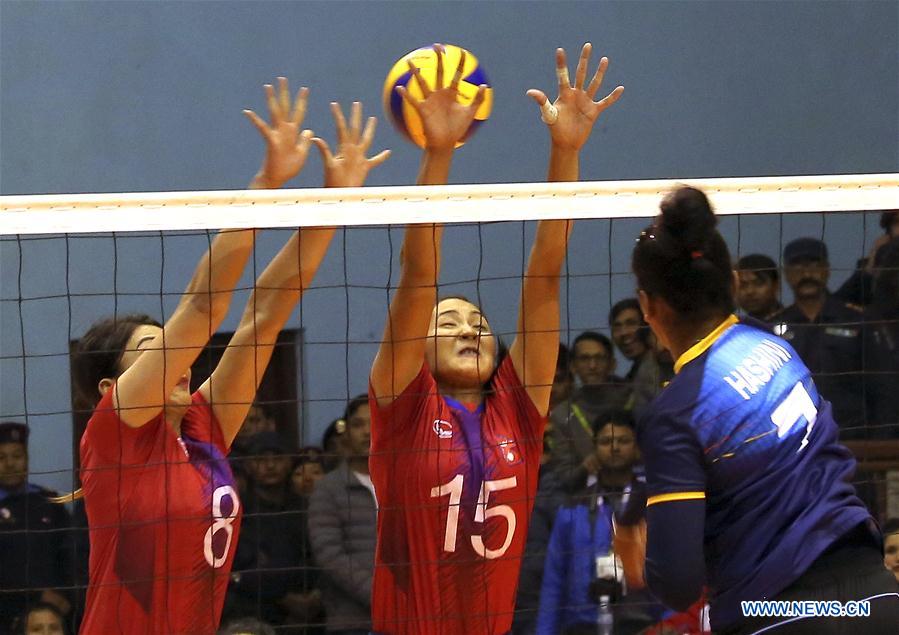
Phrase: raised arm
{"type": "Point", "coordinates": [445, 122]}
{"type": "Point", "coordinates": [569, 119]}
{"type": "Point", "coordinates": [141, 391]}
{"type": "Point", "coordinates": [232, 386]}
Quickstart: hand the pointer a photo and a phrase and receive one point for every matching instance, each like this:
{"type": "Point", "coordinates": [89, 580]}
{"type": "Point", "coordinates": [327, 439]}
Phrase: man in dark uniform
{"type": "Point", "coordinates": [825, 332]}
{"type": "Point", "coordinates": [34, 558]}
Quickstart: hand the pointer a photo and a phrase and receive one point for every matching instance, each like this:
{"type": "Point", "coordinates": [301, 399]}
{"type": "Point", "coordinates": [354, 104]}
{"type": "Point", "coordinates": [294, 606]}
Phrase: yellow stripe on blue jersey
{"type": "Point", "coordinates": [675, 496]}
{"type": "Point", "coordinates": [703, 345]}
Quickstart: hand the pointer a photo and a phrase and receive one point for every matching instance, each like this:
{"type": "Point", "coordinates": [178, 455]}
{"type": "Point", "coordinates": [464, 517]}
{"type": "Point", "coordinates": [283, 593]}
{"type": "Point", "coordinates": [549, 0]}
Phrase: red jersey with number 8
{"type": "Point", "coordinates": [455, 489]}
{"type": "Point", "coordinates": [164, 518]}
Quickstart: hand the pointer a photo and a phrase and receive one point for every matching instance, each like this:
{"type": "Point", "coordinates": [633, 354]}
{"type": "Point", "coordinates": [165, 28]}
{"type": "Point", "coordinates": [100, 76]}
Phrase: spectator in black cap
{"type": "Point", "coordinates": [273, 578]}
{"type": "Point", "coordinates": [34, 558]}
{"type": "Point", "coordinates": [859, 287]}
{"type": "Point", "coordinates": [826, 333]}
{"type": "Point", "coordinates": [758, 291]}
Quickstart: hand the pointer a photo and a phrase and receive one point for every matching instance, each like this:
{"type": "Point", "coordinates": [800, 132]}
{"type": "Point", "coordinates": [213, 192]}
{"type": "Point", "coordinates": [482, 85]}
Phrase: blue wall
{"type": "Point", "coordinates": [107, 97]}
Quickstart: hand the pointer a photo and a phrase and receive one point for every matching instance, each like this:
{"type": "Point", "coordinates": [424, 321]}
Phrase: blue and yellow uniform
{"type": "Point", "coordinates": [742, 428]}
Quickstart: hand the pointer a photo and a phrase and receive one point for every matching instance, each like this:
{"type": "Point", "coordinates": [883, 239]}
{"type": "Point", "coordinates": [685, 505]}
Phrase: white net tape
{"type": "Point", "coordinates": [89, 213]}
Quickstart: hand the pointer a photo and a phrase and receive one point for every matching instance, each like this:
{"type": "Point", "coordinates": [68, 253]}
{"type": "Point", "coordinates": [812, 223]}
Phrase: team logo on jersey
{"type": "Point", "coordinates": [443, 429]}
{"type": "Point", "coordinates": [509, 450]}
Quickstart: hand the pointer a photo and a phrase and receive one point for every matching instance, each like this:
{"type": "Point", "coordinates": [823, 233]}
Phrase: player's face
{"type": "Point", "coordinates": [43, 622]}
{"type": "Point", "coordinates": [305, 477]}
{"type": "Point", "coordinates": [13, 465]}
{"type": "Point", "coordinates": [757, 295]}
{"type": "Point", "coordinates": [891, 553]}
{"type": "Point", "coordinates": [462, 349]}
{"type": "Point", "coordinates": [808, 278]}
{"type": "Point", "coordinates": [143, 338]}
{"type": "Point", "coordinates": [616, 447]}
{"type": "Point", "coordinates": [592, 362]}
{"type": "Point", "coordinates": [358, 432]}
{"type": "Point", "coordinates": [626, 333]}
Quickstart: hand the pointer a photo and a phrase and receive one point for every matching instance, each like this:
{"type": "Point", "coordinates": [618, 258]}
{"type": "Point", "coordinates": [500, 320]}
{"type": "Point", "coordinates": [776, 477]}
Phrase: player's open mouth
{"type": "Point", "coordinates": [469, 352]}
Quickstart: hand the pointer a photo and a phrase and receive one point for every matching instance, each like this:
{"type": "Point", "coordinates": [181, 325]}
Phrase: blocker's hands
{"type": "Point", "coordinates": [571, 116]}
{"type": "Point", "coordinates": [445, 121]}
{"type": "Point", "coordinates": [349, 167]}
{"type": "Point", "coordinates": [286, 147]}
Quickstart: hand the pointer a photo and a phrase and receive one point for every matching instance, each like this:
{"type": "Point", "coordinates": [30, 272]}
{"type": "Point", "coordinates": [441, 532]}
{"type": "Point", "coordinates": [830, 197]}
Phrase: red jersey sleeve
{"type": "Point", "coordinates": [511, 396]}
{"type": "Point", "coordinates": [397, 419]}
{"type": "Point", "coordinates": [200, 424]}
{"type": "Point", "coordinates": [111, 441]}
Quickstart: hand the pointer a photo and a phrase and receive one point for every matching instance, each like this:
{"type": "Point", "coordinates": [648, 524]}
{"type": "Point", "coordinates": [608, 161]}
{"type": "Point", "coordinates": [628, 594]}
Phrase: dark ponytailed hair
{"type": "Point", "coordinates": [682, 258]}
{"type": "Point", "coordinates": [97, 356]}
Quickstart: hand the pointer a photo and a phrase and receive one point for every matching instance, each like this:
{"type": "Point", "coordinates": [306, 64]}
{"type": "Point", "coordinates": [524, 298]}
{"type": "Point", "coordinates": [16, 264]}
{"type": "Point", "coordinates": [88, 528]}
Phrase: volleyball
{"type": "Point", "coordinates": [404, 116]}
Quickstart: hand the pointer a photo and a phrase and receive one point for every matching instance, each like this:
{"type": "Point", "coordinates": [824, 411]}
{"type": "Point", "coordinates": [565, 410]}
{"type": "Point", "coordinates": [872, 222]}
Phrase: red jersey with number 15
{"type": "Point", "coordinates": [455, 490]}
{"type": "Point", "coordinates": [164, 517]}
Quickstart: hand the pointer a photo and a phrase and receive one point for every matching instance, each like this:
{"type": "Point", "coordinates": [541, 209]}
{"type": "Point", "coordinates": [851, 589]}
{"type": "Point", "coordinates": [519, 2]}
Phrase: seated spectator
{"type": "Point", "coordinates": [307, 471]}
{"type": "Point", "coordinates": [258, 419]}
{"type": "Point", "coordinates": [272, 577]}
{"type": "Point", "coordinates": [332, 442]}
{"type": "Point", "coordinates": [825, 332]}
{"type": "Point", "coordinates": [247, 626]}
{"type": "Point", "coordinates": [42, 618]}
{"type": "Point", "coordinates": [592, 361]}
{"type": "Point", "coordinates": [881, 345]}
{"type": "Point", "coordinates": [35, 557]}
{"type": "Point", "coordinates": [858, 288]}
{"type": "Point", "coordinates": [891, 546]}
{"type": "Point", "coordinates": [580, 564]}
{"type": "Point", "coordinates": [343, 528]}
{"type": "Point", "coordinates": [652, 366]}
{"type": "Point", "coordinates": [758, 291]}
{"type": "Point", "coordinates": [563, 381]}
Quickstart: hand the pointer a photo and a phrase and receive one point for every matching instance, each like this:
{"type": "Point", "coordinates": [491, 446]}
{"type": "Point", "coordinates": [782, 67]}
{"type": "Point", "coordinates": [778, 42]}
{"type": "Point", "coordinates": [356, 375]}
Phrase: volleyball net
{"type": "Point", "coordinates": [67, 261]}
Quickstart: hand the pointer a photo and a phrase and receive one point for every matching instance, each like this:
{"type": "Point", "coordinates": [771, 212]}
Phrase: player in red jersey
{"type": "Point", "coordinates": [456, 440]}
{"type": "Point", "coordinates": [161, 501]}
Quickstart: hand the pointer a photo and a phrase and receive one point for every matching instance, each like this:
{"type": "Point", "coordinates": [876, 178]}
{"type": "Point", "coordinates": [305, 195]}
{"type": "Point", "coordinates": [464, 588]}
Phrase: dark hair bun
{"type": "Point", "coordinates": [688, 218]}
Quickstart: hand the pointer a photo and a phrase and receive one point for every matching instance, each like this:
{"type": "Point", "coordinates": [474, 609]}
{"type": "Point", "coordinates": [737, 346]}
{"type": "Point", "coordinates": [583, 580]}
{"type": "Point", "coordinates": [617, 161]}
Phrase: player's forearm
{"type": "Point", "coordinates": [420, 257]}
{"type": "Point", "coordinates": [564, 165]}
{"type": "Point", "coordinates": [435, 167]}
{"type": "Point", "coordinates": [215, 277]}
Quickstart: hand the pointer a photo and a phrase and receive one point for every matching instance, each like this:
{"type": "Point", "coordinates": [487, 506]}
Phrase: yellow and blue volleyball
{"type": "Point", "coordinates": [404, 116]}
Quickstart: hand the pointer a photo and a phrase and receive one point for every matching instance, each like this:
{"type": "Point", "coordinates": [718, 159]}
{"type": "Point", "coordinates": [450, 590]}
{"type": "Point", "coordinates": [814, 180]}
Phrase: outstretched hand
{"type": "Point", "coordinates": [349, 167]}
{"type": "Point", "coordinates": [445, 121]}
{"type": "Point", "coordinates": [571, 117]}
{"type": "Point", "coordinates": [286, 147]}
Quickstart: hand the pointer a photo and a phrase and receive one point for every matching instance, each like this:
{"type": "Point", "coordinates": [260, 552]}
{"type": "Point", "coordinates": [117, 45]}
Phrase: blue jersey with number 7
{"type": "Point", "coordinates": [742, 426]}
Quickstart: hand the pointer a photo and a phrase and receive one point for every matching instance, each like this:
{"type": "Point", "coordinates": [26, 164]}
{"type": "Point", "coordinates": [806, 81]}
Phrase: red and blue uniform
{"type": "Point", "coordinates": [455, 489]}
{"type": "Point", "coordinates": [164, 518]}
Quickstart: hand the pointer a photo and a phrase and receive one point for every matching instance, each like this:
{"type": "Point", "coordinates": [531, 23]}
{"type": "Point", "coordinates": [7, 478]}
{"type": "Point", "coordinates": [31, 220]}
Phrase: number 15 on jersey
{"type": "Point", "coordinates": [482, 513]}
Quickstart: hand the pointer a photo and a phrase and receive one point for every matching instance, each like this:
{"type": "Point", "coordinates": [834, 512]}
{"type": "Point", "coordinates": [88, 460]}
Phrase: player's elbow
{"type": "Point", "coordinates": [675, 589]}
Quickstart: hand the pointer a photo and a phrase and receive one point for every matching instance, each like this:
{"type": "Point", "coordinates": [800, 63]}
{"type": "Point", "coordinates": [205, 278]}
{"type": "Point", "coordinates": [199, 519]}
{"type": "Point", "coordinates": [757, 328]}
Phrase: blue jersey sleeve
{"type": "Point", "coordinates": [673, 458]}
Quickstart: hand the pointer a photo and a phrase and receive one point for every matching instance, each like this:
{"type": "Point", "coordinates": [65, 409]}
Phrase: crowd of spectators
{"type": "Point", "coordinates": [305, 559]}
